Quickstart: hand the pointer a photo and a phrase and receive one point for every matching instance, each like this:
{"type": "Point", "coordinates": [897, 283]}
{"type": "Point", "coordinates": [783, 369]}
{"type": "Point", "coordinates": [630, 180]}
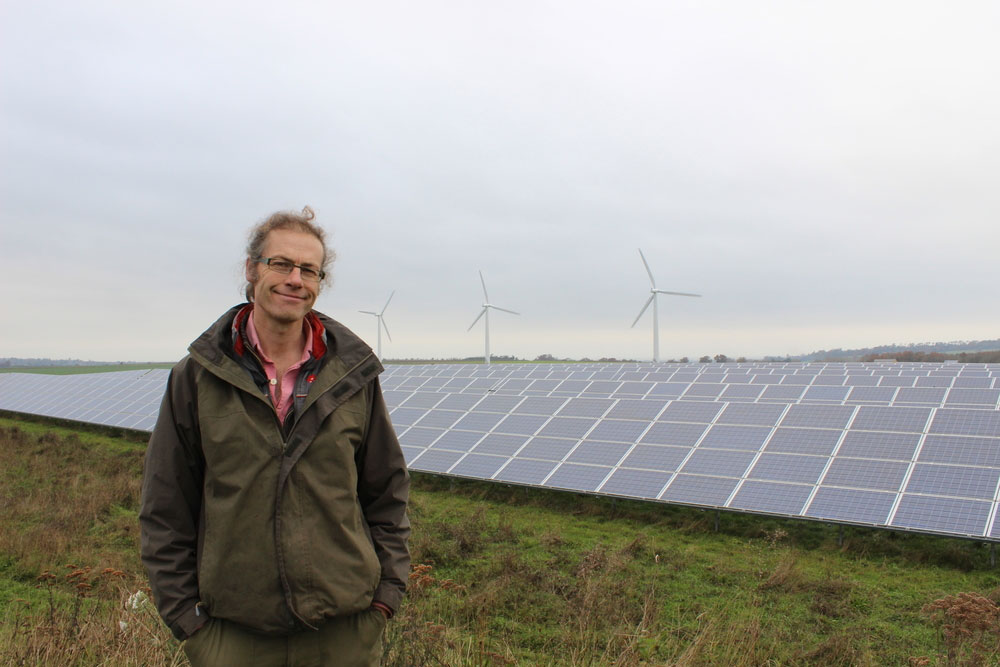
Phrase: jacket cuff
{"type": "Point", "coordinates": [389, 595]}
{"type": "Point", "coordinates": [389, 613]}
{"type": "Point", "coordinates": [189, 622]}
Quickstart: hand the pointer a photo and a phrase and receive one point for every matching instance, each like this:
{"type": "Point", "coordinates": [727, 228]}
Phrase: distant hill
{"type": "Point", "coordinates": [12, 362]}
{"type": "Point", "coordinates": [17, 362]}
{"type": "Point", "coordinates": [950, 350]}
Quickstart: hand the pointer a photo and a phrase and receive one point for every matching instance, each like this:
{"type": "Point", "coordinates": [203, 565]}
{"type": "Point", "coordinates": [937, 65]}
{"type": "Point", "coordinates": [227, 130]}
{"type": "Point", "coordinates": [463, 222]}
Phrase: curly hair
{"type": "Point", "coordinates": [300, 222]}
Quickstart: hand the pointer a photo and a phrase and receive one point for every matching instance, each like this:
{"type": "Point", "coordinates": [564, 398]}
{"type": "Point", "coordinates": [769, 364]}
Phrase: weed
{"type": "Point", "coordinates": [775, 536]}
{"type": "Point", "coordinates": [969, 624]}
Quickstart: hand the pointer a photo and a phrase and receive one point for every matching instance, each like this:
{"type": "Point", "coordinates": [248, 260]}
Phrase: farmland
{"type": "Point", "coordinates": [504, 575]}
{"type": "Point", "coordinates": [78, 370]}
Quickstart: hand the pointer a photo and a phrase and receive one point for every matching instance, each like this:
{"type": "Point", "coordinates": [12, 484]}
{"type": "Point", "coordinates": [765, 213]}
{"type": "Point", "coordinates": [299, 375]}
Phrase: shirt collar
{"type": "Point", "coordinates": [244, 330]}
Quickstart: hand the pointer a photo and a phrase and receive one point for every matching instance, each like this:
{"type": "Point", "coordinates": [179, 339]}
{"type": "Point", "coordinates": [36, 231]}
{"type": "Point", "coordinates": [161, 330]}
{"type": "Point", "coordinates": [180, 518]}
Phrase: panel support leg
{"type": "Point", "coordinates": [840, 536]}
{"type": "Point", "coordinates": [716, 520]}
{"type": "Point", "coordinates": [993, 554]}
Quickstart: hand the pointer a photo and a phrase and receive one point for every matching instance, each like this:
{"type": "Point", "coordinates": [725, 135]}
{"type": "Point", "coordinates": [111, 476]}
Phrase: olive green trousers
{"type": "Point", "coordinates": [348, 641]}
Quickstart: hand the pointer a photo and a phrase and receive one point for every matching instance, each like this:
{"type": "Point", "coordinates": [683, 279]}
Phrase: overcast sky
{"type": "Point", "coordinates": [825, 174]}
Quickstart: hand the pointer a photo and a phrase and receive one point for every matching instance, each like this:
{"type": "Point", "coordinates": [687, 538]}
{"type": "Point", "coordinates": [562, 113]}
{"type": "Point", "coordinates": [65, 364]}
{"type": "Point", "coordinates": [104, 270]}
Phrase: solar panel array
{"type": "Point", "coordinates": [904, 446]}
{"type": "Point", "coordinates": [125, 399]}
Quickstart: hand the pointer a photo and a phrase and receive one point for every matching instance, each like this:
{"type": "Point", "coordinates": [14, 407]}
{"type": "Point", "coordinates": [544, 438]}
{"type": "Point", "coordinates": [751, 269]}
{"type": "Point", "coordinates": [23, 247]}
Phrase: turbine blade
{"type": "Point", "coordinates": [652, 280]}
{"type": "Point", "coordinates": [368, 312]}
{"type": "Point", "coordinates": [483, 281]}
{"type": "Point", "coordinates": [481, 313]}
{"type": "Point", "coordinates": [659, 291]}
{"type": "Point", "coordinates": [387, 301]}
{"type": "Point", "coordinates": [385, 327]}
{"type": "Point", "coordinates": [505, 310]}
{"type": "Point", "coordinates": [648, 301]}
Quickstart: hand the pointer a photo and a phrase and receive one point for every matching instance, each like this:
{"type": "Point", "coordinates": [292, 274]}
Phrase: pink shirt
{"type": "Point", "coordinates": [281, 393]}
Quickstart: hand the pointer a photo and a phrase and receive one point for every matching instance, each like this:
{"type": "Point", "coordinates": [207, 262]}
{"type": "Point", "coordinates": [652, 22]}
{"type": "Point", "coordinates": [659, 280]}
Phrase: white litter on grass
{"type": "Point", "coordinates": [137, 600]}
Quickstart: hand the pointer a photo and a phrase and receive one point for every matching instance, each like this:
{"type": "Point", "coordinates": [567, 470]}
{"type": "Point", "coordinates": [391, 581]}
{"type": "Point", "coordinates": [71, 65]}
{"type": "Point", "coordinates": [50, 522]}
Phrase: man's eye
{"type": "Point", "coordinates": [308, 273]}
{"type": "Point", "coordinates": [282, 266]}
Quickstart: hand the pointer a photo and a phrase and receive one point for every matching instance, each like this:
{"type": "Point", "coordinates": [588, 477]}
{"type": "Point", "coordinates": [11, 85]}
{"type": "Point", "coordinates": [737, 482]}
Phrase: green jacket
{"type": "Point", "coordinates": [273, 526]}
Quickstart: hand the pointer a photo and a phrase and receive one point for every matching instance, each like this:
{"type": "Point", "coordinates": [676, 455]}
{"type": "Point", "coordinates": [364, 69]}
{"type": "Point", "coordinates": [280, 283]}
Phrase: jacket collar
{"type": "Point", "coordinates": [217, 344]}
{"type": "Point", "coordinates": [241, 342]}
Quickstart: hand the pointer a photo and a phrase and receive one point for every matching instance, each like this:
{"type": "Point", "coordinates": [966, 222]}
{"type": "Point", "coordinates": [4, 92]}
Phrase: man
{"type": "Point", "coordinates": [274, 527]}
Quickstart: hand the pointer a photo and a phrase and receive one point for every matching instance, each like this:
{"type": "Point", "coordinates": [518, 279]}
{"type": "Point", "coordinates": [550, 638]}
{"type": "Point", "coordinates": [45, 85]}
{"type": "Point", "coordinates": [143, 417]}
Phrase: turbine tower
{"type": "Point", "coordinates": [653, 298]}
{"type": "Point", "coordinates": [381, 323]}
{"type": "Point", "coordinates": [486, 311]}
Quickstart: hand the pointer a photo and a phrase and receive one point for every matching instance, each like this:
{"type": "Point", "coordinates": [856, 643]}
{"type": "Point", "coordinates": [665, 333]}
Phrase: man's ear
{"type": "Point", "coordinates": [250, 271]}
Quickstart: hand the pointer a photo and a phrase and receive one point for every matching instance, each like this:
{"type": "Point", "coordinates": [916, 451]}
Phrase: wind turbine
{"type": "Point", "coordinates": [656, 312]}
{"type": "Point", "coordinates": [381, 322]}
{"type": "Point", "coordinates": [486, 311]}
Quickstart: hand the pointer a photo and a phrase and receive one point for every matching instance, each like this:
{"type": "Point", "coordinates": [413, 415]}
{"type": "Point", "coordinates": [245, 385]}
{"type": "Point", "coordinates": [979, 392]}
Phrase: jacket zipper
{"type": "Point", "coordinates": [277, 505]}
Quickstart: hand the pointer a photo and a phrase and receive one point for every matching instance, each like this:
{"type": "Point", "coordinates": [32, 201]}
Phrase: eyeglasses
{"type": "Point", "coordinates": [284, 266]}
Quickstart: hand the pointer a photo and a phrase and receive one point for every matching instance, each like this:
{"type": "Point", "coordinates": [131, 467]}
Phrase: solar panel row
{"type": "Point", "coordinates": [907, 446]}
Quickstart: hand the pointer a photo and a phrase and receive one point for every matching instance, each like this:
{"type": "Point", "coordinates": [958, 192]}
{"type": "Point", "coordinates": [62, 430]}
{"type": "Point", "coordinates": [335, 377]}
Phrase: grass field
{"type": "Point", "coordinates": [508, 576]}
{"type": "Point", "coordinates": [77, 370]}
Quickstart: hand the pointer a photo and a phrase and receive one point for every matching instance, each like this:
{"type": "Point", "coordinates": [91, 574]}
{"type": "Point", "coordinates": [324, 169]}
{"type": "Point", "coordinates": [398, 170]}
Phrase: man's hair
{"type": "Point", "coordinates": [299, 222]}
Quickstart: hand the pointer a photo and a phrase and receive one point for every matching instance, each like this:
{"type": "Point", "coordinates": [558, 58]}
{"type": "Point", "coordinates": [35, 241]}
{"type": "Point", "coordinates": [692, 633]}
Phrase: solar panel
{"type": "Point", "coordinates": [666, 433]}
{"type": "Point", "coordinates": [967, 422]}
{"type": "Point", "coordinates": [599, 453]}
{"type": "Point", "coordinates": [771, 497]}
{"type": "Point", "coordinates": [946, 515]}
{"type": "Point", "coordinates": [788, 468]}
{"type": "Point", "coordinates": [851, 506]}
{"type": "Point", "coordinates": [525, 471]}
{"type": "Point", "coordinates": [461, 441]}
{"type": "Point", "coordinates": [950, 480]}
{"type": "Point", "coordinates": [618, 430]}
{"type": "Point", "coordinates": [500, 444]}
{"type": "Point", "coordinates": [902, 419]}
{"type": "Point", "coordinates": [819, 442]}
{"type": "Point", "coordinates": [866, 474]}
{"type": "Point", "coordinates": [578, 477]}
{"type": "Point", "coordinates": [700, 490]}
{"type": "Point", "coordinates": [961, 450]}
{"type": "Point", "coordinates": [586, 407]}
{"type": "Point", "coordinates": [567, 427]}
{"type": "Point", "coordinates": [735, 437]}
{"type": "Point", "coordinates": [665, 458]}
{"type": "Point", "coordinates": [551, 449]}
{"type": "Point", "coordinates": [751, 414]}
{"type": "Point", "coordinates": [635, 483]}
{"type": "Point", "coordinates": [903, 446]}
{"type": "Point", "coordinates": [480, 466]}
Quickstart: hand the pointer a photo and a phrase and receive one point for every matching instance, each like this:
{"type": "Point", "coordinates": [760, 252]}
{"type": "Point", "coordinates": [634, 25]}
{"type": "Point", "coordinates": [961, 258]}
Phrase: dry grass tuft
{"type": "Point", "coordinates": [844, 649]}
{"type": "Point", "coordinates": [969, 624]}
{"type": "Point", "coordinates": [786, 577]}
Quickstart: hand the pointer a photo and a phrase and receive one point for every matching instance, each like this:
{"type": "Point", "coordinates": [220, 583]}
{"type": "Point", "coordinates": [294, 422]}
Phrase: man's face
{"type": "Point", "coordinates": [283, 299]}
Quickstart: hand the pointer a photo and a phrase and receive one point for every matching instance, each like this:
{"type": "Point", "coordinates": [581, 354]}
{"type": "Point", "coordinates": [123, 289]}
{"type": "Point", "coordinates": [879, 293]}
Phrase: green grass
{"type": "Point", "coordinates": [505, 575]}
{"type": "Point", "coordinates": [78, 370]}
{"type": "Point", "coordinates": [800, 604]}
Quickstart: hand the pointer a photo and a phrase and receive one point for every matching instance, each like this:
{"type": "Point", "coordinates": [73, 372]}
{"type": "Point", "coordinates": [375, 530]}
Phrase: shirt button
{"type": "Point", "coordinates": [273, 381]}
